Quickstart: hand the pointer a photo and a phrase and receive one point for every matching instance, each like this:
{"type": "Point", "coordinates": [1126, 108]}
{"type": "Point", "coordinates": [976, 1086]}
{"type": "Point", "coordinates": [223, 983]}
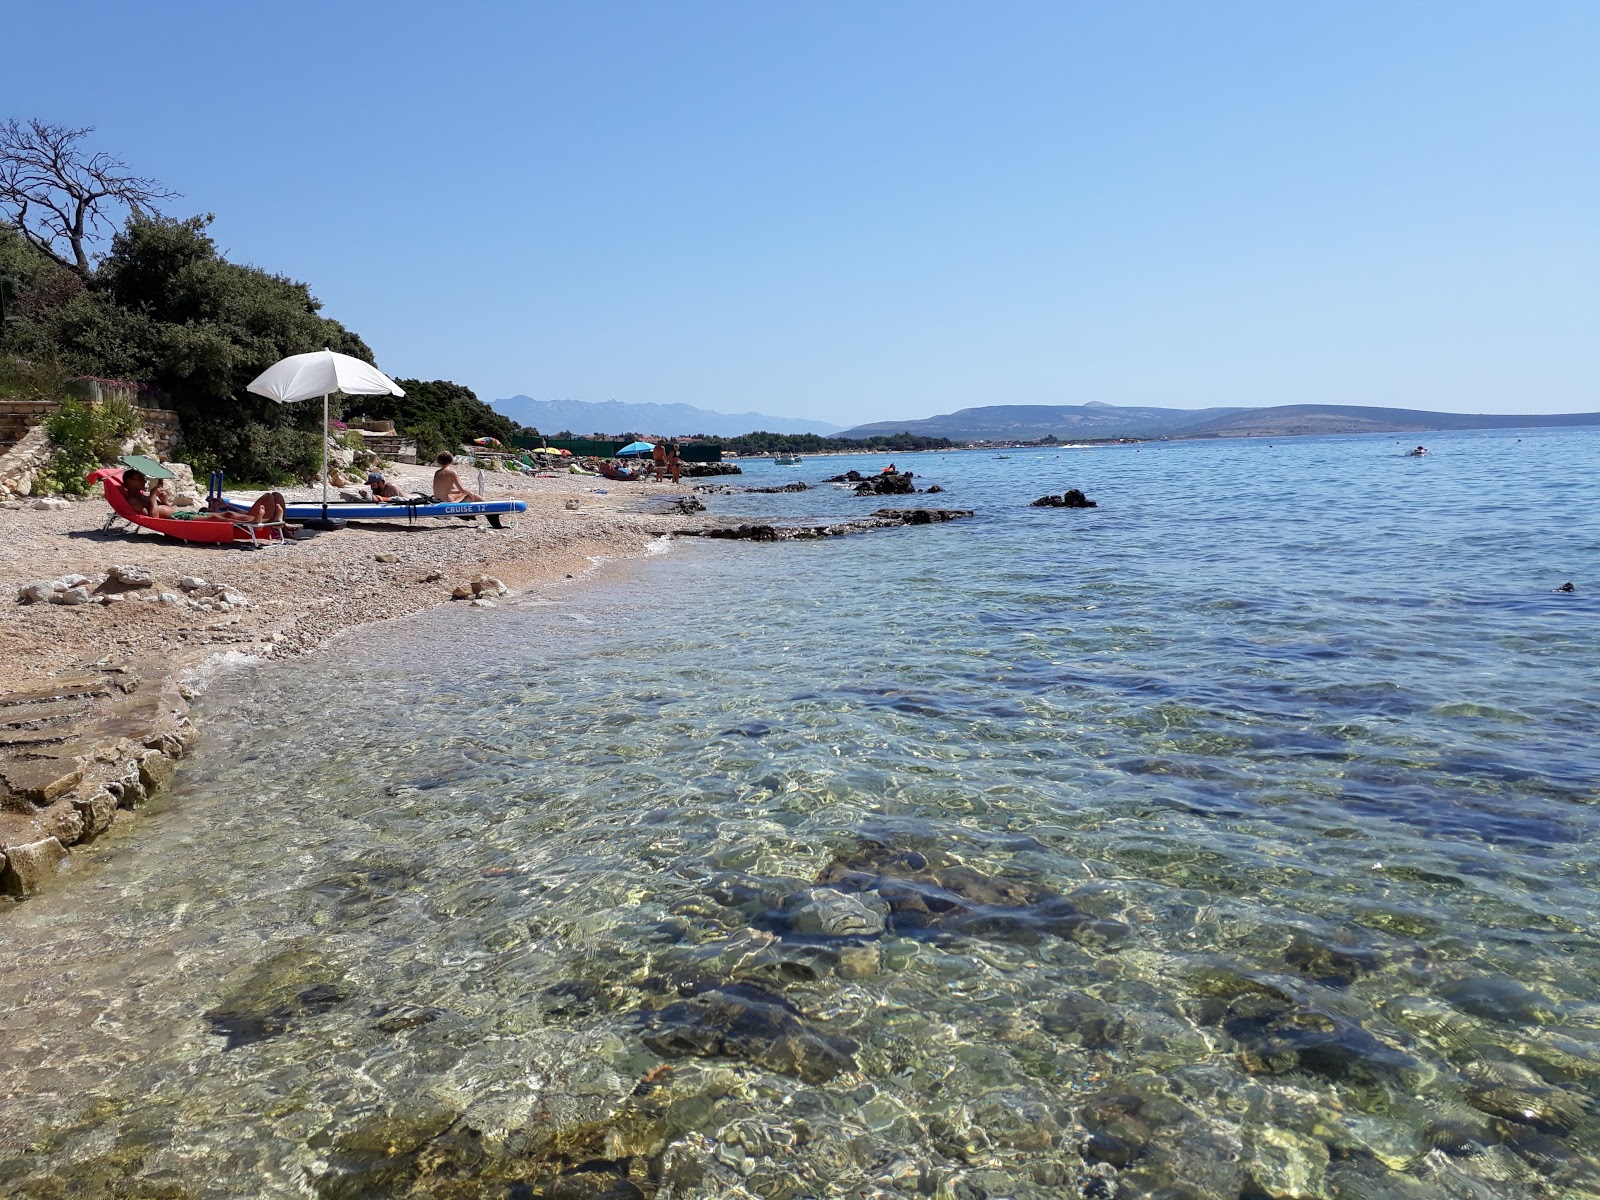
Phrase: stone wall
{"type": "Point", "coordinates": [24, 449]}
{"type": "Point", "coordinates": [19, 464]}
{"type": "Point", "coordinates": [162, 431]}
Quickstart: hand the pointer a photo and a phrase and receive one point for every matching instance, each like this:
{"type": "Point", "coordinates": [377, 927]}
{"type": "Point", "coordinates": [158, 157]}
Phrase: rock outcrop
{"type": "Point", "coordinates": [884, 518]}
{"type": "Point", "coordinates": [74, 753]}
{"type": "Point", "coordinates": [1071, 498]}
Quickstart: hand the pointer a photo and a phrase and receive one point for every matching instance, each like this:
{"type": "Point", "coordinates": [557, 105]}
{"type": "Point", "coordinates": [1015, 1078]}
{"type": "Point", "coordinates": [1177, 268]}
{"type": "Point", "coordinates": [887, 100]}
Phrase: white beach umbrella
{"type": "Point", "coordinates": [321, 373]}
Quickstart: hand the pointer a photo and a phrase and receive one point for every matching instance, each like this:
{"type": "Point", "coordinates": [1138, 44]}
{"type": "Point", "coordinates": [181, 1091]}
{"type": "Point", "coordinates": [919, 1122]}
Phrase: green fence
{"type": "Point", "coordinates": [593, 448]}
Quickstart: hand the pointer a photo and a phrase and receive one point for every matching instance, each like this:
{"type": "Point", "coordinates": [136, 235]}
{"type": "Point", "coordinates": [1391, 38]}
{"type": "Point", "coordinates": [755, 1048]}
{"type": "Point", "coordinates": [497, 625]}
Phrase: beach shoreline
{"type": "Point", "coordinates": [95, 697]}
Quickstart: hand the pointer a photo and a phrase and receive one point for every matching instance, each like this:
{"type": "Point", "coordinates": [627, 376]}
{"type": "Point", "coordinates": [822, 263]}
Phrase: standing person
{"type": "Point", "coordinates": [672, 460]}
{"type": "Point", "coordinates": [447, 488]}
{"type": "Point", "coordinates": [658, 460]}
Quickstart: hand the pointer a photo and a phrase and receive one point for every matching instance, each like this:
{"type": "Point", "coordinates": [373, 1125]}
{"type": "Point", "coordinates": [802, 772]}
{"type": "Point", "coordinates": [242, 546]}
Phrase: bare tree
{"type": "Point", "coordinates": [60, 197]}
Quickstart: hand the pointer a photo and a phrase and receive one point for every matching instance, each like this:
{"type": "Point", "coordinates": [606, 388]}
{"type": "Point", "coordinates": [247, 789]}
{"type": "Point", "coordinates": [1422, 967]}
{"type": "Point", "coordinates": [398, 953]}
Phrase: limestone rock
{"type": "Point", "coordinates": [51, 503]}
{"type": "Point", "coordinates": [166, 597]}
{"type": "Point", "coordinates": [41, 780]}
{"type": "Point", "coordinates": [182, 477]}
{"type": "Point", "coordinates": [72, 581]}
{"type": "Point", "coordinates": [72, 595]}
{"type": "Point", "coordinates": [461, 592]}
{"type": "Point", "coordinates": [30, 865]}
{"type": "Point", "coordinates": [386, 558]}
{"type": "Point", "coordinates": [131, 576]}
{"type": "Point", "coordinates": [97, 813]}
{"type": "Point", "coordinates": [191, 583]}
{"type": "Point", "coordinates": [63, 822]}
{"type": "Point", "coordinates": [155, 770]}
{"type": "Point", "coordinates": [490, 586]}
{"type": "Point", "coordinates": [480, 602]}
{"type": "Point", "coordinates": [39, 591]}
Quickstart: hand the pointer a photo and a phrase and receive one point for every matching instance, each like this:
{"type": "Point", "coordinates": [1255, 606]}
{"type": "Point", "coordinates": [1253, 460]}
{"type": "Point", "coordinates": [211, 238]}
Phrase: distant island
{"type": "Point", "coordinates": [1032, 422]}
{"type": "Point", "coordinates": [665, 420]}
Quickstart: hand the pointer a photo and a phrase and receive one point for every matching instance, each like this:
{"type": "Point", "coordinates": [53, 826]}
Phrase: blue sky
{"type": "Point", "coordinates": [868, 211]}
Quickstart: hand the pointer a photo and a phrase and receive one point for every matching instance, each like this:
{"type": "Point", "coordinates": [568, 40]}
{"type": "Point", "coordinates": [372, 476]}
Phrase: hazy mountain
{"type": "Point", "coordinates": [666, 420]}
{"type": "Point", "coordinates": [1027, 422]}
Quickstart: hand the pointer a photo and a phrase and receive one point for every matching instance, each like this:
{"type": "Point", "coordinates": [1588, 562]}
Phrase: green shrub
{"type": "Point", "coordinates": [85, 437]}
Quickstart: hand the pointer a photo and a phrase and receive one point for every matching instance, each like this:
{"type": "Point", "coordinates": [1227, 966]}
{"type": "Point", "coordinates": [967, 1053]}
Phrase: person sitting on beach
{"type": "Point", "coordinates": [153, 503]}
{"type": "Point", "coordinates": [381, 488]}
{"type": "Point", "coordinates": [620, 473]}
{"type": "Point", "coordinates": [269, 508]}
{"type": "Point", "coordinates": [889, 470]}
{"type": "Point", "coordinates": [447, 488]}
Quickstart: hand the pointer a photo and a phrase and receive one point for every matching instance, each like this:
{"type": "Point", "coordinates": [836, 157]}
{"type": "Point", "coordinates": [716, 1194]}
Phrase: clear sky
{"type": "Point", "coordinates": [875, 210]}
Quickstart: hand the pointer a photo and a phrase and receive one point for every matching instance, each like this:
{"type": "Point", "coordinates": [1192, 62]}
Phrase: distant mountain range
{"type": "Point", "coordinates": [664, 420]}
{"type": "Point", "coordinates": [1029, 422]}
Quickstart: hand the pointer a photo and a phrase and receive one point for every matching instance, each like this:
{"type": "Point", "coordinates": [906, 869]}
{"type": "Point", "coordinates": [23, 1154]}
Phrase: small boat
{"type": "Point", "coordinates": [1002, 456]}
{"type": "Point", "coordinates": [786, 460]}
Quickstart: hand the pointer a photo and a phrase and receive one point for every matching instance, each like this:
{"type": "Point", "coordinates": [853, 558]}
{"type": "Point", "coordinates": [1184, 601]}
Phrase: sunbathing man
{"type": "Point", "coordinates": [447, 487]}
{"type": "Point", "coordinates": [382, 489]}
{"type": "Point", "coordinates": [153, 503]}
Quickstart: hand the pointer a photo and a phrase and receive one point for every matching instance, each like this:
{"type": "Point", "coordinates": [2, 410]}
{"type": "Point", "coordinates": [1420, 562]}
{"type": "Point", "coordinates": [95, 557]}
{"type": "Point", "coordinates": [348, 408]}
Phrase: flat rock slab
{"type": "Point", "coordinates": [31, 740]}
{"type": "Point", "coordinates": [19, 715]}
{"type": "Point", "coordinates": [60, 689]}
{"type": "Point", "coordinates": [40, 780]}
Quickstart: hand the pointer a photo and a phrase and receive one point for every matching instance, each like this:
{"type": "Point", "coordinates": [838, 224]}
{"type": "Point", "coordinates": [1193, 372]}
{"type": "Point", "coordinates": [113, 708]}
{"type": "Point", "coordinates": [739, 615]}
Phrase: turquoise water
{"type": "Point", "coordinates": [1233, 839]}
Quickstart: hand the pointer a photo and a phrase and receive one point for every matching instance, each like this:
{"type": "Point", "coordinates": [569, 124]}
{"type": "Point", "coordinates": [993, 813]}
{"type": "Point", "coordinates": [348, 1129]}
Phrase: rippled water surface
{"type": "Point", "coordinates": [1233, 839]}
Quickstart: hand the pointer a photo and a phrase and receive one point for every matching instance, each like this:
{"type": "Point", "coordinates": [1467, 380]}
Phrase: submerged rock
{"type": "Point", "coordinates": [1329, 963]}
{"type": "Point", "coordinates": [741, 1020]}
{"type": "Point", "coordinates": [931, 894]}
{"type": "Point", "coordinates": [828, 912]}
{"type": "Point", "coordinates": [263, 1000]}
{"type": "Point", "coordinates": [884, 518]}
{"type": "Point", "coordinates": [1277, 1031]}
{"type": "Point", "coordinates": [1496, 998]}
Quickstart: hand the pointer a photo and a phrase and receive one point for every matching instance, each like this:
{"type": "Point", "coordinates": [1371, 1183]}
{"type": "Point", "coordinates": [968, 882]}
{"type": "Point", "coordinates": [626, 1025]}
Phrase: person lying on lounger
{"type": "Point", "coordinates": [268, 509]}
{"type": "Point", "coordinates": [151, 503]}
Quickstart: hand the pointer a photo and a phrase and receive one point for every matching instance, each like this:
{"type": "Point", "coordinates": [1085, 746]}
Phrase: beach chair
{"type": "Point", "coordinates": [192, 529]}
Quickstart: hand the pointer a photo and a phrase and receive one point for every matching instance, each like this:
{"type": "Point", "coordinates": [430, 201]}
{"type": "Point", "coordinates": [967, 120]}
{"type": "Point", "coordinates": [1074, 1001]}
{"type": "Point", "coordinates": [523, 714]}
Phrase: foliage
{"type": "Point", "coordinates": [437, 414]}
{"type": "Point", "coordinates": [164, 307]}
{"type": "Point", "coordinates": [24, 380]}
{"type": "Point", "coordinates": [812, 443]}
{"type": "Point", "coordinates": [84, 437]}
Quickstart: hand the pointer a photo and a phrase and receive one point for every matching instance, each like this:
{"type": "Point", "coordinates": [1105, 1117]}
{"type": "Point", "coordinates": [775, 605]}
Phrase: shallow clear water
{"type": "Point", "coordinates": [1233, 839]}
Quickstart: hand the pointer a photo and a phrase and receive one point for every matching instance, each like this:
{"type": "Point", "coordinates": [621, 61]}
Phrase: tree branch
{"type": "Point", "coordinates": [44, 177]}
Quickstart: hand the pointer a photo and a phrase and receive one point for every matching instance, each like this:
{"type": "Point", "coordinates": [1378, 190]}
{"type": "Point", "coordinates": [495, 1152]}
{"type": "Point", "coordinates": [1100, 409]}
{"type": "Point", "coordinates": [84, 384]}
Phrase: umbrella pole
{"type": "Point", "coordinates": [324, 456]}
